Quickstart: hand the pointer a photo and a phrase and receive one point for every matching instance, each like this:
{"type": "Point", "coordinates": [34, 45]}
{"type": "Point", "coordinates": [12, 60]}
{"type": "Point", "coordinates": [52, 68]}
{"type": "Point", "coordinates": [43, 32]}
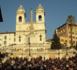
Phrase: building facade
{"type": "Point", "coordinates": [32, 31]}
{"type": "Point", "coordinates": [28, 35]}
{"type": "Point", "coordinates": [29, 38]}
{"type": "Point", "coordinates": [68, 32]}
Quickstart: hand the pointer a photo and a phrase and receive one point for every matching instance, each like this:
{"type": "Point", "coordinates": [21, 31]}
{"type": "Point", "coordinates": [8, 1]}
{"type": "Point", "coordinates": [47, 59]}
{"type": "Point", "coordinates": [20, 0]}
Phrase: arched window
{"type": "Point", "coordinates": [40, 17]}
{"type": "Point", "coordinates": [14, 37]}
{"type": "Point", "coordinates": [20, 19]}
{"type": "Point", "coordinates": [19, 38]}
{"type": "Point", "coordinates": [4, 42]}
{"type": "Point", "coordinates": [40, 37]}
{"type": "Point", "coordinates": [5, 37]}
{"type": "Point", "coordinates": [29, 40]}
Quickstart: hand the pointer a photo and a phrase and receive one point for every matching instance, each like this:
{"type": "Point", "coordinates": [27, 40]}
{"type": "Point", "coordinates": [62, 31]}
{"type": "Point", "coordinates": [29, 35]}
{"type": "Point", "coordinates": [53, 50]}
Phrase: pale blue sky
{"type": "Point", "coordinates": [56, 12]}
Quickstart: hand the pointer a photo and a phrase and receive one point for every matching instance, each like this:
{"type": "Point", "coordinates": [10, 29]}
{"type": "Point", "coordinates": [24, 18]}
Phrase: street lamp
{"type": "Point", "coordinates": [31, 30]}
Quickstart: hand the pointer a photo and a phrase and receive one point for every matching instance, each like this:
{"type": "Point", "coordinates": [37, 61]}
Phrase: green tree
{"type": "Point", "coordinates": [55, 42]}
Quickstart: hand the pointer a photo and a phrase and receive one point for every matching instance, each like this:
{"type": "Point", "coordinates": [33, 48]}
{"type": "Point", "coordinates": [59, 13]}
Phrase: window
{"type": "Point", "coordinates": [19, 38]}
{"type": "Point", "coordinates": [5, 37]}
{"type": "Point", "coordinates": [73, 37]}
{"type": "Point", "coordinates": [66, 41]}
{"type": "Point", "coordinates": [20, 19]}
{"type": "Point", "coordinates": [62, 40]}
{"type": "Point", "coordinates": [14, 34]}
{"type": "Point", "coordinates": [4, 42]}
{"type": "Point", "coordinates": [0, 44]}
{"type": "Point", "coordinates": [29, 40]}
{"type": "Point", "coordinates": [14, 37]}
{"type": "Point", "coordinates": [40, 37]}
{"type": "Point", "coordinates": [40, 17]}
{"type": "Point", "coordinates": [73, 42]}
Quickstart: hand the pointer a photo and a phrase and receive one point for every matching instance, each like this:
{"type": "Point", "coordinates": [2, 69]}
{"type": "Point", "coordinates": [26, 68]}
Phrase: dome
{"type": "Point", "coordinates": [40, 7]}
{"type": "Point", "coordinates": [21, 9]}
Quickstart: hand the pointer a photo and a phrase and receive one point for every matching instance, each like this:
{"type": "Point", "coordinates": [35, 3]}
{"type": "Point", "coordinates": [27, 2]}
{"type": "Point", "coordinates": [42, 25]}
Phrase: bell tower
{"type": "Point", "coordinates": [40, 24]}
{"type": "Point", "coordinates": [20, 19]}
{"type": "Point", "coordinates": [20, 15]}
{"type": "Point", "coordinates": [40, 14]}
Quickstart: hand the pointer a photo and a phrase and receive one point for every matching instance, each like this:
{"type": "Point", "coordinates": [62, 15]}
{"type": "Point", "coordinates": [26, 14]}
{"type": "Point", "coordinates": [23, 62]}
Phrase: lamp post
{"type": "Point", "coordinates": [31, 31]}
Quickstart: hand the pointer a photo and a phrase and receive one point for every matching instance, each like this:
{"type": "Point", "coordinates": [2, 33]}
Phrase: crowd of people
{"type": "Point", "coordinates": [38, 63]}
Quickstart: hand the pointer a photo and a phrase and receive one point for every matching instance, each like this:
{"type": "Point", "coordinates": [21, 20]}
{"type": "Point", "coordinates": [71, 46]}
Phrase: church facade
{"type": "Point", "coordinates": [28, 34]}
{"type": "Point", "coordinates": [33, 32]}
{"type": "Point", "coordinates": [29, 38]}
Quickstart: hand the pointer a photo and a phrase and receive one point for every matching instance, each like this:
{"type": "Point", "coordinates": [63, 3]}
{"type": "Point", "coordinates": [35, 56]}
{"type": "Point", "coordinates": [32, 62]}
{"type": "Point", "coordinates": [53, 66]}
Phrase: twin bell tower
{"type": "Point", "coordinates": [21, 18]}
{"type": "Point", "coordinates": [37, 27]}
